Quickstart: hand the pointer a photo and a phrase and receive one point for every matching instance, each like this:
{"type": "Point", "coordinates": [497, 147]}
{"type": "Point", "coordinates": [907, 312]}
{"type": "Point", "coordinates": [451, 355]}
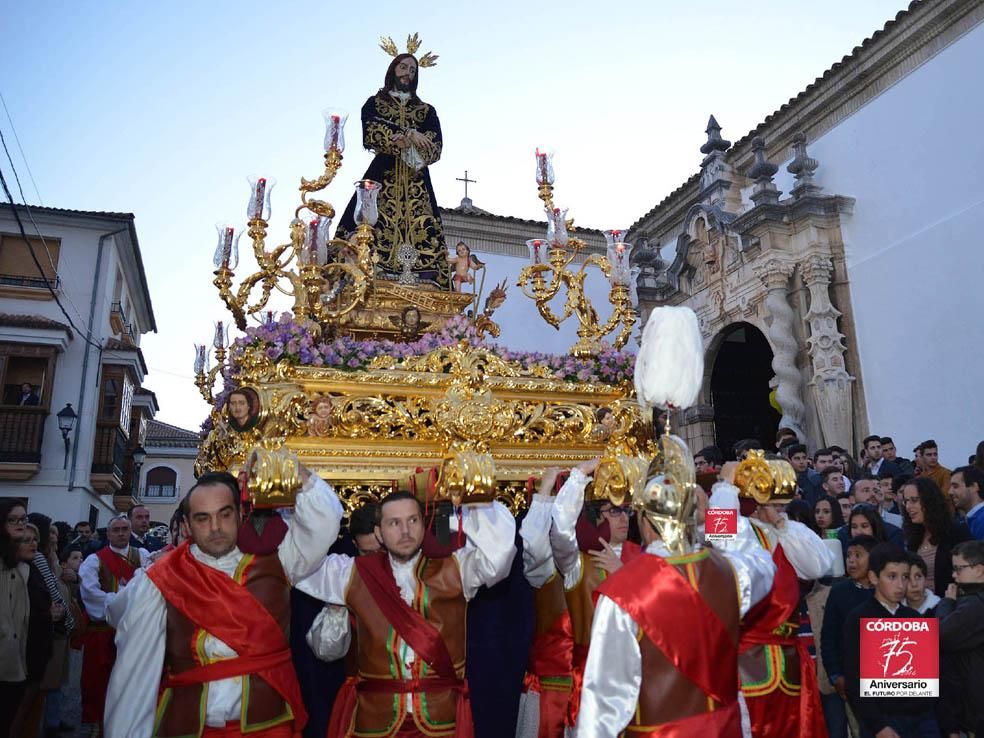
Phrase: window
{"type": "Point", "coordinates": [23, 380]}
{"type": "Point", "coordinates": [162, 481]}
{"type": "Point", "coordinates": [111, 398]}
{"type": "Point", "coordinates": [17, 267]}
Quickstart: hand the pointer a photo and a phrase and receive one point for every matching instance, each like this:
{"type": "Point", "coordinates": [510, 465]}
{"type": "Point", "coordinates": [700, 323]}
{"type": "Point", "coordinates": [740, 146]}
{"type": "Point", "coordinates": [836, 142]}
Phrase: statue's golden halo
{"type": "Point", "coordinates": [387, 44]}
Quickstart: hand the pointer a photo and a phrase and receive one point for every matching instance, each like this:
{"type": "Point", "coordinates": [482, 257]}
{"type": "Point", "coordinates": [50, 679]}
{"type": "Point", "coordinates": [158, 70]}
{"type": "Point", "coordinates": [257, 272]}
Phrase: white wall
{"type": "Point", "coordinates": [47, 492]}
{"type": "Point", "coordinates": [523, 329]}
{"type": "Point", "coordinates": [912, 158]}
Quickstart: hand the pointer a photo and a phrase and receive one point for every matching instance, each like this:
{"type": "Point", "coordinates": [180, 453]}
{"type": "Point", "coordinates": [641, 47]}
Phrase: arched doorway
{"type": "Point", "coordinates": [740, 388]}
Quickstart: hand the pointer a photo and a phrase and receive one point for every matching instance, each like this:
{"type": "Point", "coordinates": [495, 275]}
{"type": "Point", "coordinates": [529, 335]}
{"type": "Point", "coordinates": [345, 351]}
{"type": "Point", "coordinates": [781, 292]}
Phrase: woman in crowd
{"type": "Point", "coordinates": [828, 515]}
{"type": "Point", "coordinates": [930, 530]}
{"type": "Point", "coordinates": [865, 521]}
{"type": "Point", "coordinates": [41, 614]}
{"type": "Point", "coordinates": [800, 511]}
{"type": "Point", "coordinates": [14, 611]}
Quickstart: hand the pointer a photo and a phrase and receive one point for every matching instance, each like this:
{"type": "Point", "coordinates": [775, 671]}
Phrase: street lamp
{"type": "Point", "coordinates": [139, 456]}
{"type": "Point", "coordinates": [66, 421]}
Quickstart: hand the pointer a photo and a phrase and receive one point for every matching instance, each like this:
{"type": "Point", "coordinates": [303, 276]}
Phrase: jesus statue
{"type": "Point", "coordinates": [404, 133]}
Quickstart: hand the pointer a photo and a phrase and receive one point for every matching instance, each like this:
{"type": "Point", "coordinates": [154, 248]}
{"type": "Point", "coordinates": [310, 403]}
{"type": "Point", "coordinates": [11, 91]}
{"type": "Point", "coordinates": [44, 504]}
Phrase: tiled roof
{"type": "Point", "coordinates": [9, 320]}
{"type": "Point", "coordinates": [474, 212]}
{"type": "Point", "coordinates": [68, 211]}
{"type": "Point", "coordinates": [857, 54]}
{"type": "Point", "coordinates": [170, 436]}
{"type": "Point", "coordinates": [115, 344]}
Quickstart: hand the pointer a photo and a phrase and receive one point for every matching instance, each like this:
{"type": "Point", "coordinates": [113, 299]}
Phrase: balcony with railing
{"type": "Point", "coordinates": [117, 318]}
{"type": "Point", "coordinates": [21, 434]}
{"type": "Point", "coordinates": [108, 457]}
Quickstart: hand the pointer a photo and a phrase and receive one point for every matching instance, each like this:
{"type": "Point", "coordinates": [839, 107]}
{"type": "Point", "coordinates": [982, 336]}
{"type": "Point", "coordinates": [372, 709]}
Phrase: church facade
{"type": "Point", "coordinates": [832, 255]}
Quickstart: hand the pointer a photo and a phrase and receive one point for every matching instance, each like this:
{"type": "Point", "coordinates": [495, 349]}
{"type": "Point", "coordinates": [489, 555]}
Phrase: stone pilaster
{"type": "Point", "coordinates": [831, 383]}
{"type": "Point", "coordinates": [775, 275]}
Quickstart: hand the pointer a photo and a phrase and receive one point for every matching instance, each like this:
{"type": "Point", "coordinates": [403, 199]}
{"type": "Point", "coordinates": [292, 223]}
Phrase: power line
{"type": "Point", "coordinates": [24, 158]}
{"type": "Point", "coordinates": [37, 228]}
{"type": "Point", "coordinates": [34, 257]}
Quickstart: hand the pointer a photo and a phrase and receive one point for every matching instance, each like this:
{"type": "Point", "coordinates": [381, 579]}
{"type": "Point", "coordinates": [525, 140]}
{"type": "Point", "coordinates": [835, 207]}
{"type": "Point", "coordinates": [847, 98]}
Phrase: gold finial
{"type": "Point", "coordinates": [387, 44]}
{"type": "Point", "coordinates": [427, 60]}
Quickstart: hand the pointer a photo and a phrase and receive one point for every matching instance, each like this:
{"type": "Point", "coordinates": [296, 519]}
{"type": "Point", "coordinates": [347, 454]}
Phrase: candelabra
{"type": "Point", "coordinates": [550, 269]}
{"type": "Point", "coordinates": [205, 375]}
{"type": "Point", "coordinates": [333, 276]}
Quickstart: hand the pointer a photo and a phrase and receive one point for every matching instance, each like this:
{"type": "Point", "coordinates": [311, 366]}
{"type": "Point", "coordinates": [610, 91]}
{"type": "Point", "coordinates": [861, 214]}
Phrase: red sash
{"type": "Point", "coordinates": [228, 611]}
{"type": "Point", "coordinates": [758, 629]}
{"type": "Point", "coordinates": [425, 640]}
{"type": "Point", "coordinates": [119, 566]}
{"type": "Point", "coordinates": [630, 552]}
{"type": "Point", "coordinates": [695, 640]}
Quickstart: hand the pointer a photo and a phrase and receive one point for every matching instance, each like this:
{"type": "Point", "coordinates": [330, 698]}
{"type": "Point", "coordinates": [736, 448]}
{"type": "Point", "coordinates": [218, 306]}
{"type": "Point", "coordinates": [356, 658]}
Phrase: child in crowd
{"type": "Point", "coordinates": [844, 597]}
{"type": "Point", "coordinates": [917, 597]}
{"type": "Point", "coordinates": [885, 717]}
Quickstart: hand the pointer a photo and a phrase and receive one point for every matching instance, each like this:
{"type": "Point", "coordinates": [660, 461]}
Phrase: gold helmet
{"type": "Point", "coordinates": [765, 480]}
{"type": "Point", "coordinates": [668, 500]}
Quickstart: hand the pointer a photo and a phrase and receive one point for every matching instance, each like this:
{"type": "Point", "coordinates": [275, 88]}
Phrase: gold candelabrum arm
{"type": "Point", "coordinates": [205, 380]}
{"type": "Point", "coordinates": [309, 283]}
{"type": "Point", "coordinates": [533, 282]}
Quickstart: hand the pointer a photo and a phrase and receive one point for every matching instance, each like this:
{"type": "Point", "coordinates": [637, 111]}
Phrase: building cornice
{"type": "Point", "coordinates": [905, 43]}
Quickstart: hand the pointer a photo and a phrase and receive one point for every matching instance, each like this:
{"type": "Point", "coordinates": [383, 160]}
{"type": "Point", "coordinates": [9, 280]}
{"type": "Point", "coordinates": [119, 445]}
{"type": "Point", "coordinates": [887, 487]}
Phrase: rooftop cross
{"type": "Point", "coordinates": [466, 181]}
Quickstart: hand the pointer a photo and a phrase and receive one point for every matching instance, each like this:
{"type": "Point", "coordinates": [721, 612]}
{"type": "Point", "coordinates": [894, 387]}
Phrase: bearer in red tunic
{"type": "Point", "coordinates": [778, 677]}
{"type": "Point", "coordinates": [584, 560]}
{"type": "Point", "coordinates": [543, 707]}
{"type": "Point", "coordinates": [202, 641]}
{"type": "Point", "coordinates": [103, 575]}
{"type": "Point", "coordinates": [409, 615]}
{"type": "Point", "coordinates": [664, 642]}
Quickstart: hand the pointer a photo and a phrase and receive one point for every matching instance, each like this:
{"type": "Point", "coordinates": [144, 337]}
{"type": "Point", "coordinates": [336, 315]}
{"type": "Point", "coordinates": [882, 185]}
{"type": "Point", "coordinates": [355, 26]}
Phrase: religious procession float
{"type": "Point", "coordinates": [385, 373]}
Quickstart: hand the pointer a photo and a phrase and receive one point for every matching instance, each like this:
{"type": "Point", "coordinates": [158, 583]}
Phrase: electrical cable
{"type": "Point", "coordinates": [86, 336]}
{"type": "Point", "coordinates": [27, 207]}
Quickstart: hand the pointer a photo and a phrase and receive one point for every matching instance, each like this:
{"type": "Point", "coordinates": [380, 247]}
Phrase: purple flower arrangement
{"type": "Point", "coordinates": [294, 340]}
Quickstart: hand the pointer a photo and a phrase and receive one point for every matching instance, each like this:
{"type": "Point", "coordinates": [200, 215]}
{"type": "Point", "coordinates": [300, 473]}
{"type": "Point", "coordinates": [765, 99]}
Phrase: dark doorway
{"type": "Point", "coordinates": [740, 389]}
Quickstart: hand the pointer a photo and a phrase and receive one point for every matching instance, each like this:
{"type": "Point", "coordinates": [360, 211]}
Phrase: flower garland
{"type": "Point", "coordinates": [293, 340]}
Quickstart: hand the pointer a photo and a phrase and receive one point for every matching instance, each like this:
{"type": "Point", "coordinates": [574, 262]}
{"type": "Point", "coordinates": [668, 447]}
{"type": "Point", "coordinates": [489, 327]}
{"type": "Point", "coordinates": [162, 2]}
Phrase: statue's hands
{"type": "Point", "coordinates": [400, 141]}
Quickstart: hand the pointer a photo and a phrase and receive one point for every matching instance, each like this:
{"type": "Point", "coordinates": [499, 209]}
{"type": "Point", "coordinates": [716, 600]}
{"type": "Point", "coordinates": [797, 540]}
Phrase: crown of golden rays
{"type": "Point", "coordinates": [413, 43]}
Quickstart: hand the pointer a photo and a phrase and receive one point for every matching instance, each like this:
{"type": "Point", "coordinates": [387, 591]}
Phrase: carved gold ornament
{"type": "Point", "coordinates": [765, 480]}
{"type": "Point", "coordinates": [387, 44]}
{"type": "Point", "coordinates": [274, 478]}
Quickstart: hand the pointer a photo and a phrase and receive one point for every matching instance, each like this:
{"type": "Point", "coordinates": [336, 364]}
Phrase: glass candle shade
{"type": "Point", "coordinates": [366, 192]}
{"type": "Point", "coordinates": [259, 198]}
{"type": "Point", "coordinates": [227, 248]}
{"type": "Point", "coordinates": [557, 227]}
{"type": "Point", "coordinates": [334, 129]}
{"type": "Point", "coordinates": [538, 250]}
{"type": "Point", "coordinates": [544, 167]}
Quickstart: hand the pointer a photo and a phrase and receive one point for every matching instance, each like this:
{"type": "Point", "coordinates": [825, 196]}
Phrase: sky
{"type": "Point", "coordinates": [164, 109]}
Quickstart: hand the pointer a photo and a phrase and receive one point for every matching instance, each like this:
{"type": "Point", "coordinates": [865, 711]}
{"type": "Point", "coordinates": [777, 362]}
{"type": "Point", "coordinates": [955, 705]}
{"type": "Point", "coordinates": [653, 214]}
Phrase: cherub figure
{"type": "Point", "coordinates": [464, 264]}
{"type": "Point", "coordinates": [319, 421]}
{"type": "Point", "coordinates": [604, 424]}
{"type": "Point", "coordinates": [410, 324]}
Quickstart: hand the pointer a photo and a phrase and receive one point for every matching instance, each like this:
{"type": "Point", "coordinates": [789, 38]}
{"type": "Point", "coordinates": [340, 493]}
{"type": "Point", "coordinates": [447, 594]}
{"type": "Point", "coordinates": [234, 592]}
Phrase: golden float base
{"type": "Point", "coordinates": [401, 416]}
